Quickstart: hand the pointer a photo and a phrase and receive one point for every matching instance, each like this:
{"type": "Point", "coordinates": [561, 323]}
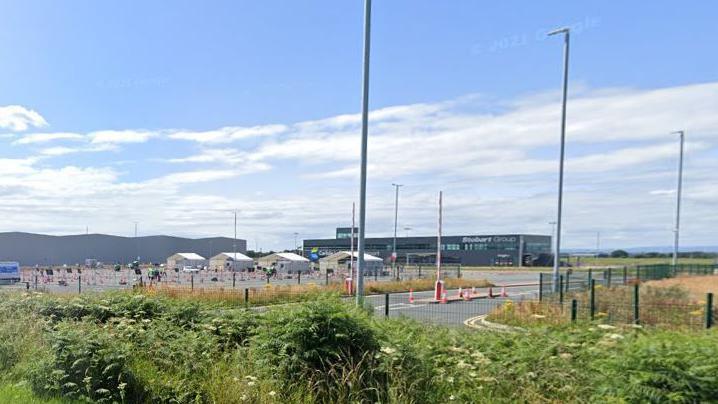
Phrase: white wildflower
{"type": "Point", "coordinates": [606, 327]}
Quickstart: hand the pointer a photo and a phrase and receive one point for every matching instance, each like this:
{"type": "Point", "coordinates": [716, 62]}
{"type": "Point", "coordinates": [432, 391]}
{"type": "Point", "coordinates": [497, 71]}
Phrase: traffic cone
{"type": "Point", "coordinates": [411, 295]}
{"type": "Point", "coordinates": [491, 293]}
{"type": "Point", "coordinates": [461, 293]}
{"type": "Point", "coordinates": [468, 296]}
{"type": "Point", "coordinates": [444, 299]}
{"type": "Point", "coordinates": [503, 292]}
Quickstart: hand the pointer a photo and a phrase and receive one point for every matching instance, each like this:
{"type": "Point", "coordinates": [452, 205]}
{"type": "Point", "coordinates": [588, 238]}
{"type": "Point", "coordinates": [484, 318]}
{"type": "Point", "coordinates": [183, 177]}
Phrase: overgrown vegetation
{"type": "Point", "coordinates": [280, 294]}
{"type": "Point", "coordinates": [670, 307]}
{"type": "Point", "coordinates": [154, 349]}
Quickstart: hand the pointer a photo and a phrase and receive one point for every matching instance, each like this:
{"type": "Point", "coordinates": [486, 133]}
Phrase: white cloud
{"type": "Point", "coordinates": [121, 136]}
{"type": "Point", "coordinates": [18, 118]}
{"type": "Point", "coordinates": [497, 164]}
{"type": "Point", "coordinates": [47, 137]}
{"type": "Point", "coordinates": [228, 134]}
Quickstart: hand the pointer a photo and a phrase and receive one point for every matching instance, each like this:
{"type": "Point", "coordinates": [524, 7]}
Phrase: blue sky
{"type": "Point", "coordinates": [188, 110]}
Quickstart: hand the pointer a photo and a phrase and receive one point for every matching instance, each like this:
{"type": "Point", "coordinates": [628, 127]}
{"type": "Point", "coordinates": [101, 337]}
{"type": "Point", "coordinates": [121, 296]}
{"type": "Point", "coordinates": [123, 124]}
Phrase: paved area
{"type": "Point", "coordinates": [521, 285]}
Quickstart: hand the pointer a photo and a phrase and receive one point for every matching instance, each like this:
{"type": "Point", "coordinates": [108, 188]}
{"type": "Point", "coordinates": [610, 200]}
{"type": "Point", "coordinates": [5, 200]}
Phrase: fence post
{"type": "Point", "coordinates": [568, 281]}
{"type": "Point", "coordinates": [191, 278]}
{"type": "Point", "coordinates": [419, 271]}
{"type": "Point", "coordinates": [625, 274]}
{"type": "Point", "coordinates": [299, 277]}
{"type": "Point", "coordinates": [709, 310]}
{"type": "Point", "coordinates": [638, 273]}
{"type": "Point", "coordinates": [386, 305]}
{"type": "Point", "coordinates": [79, 284]}
{"type": "Point", "coordinates": [234, 280]}
{"type": "Point", "coordinates": [574, 310]}
{"type": "Point", "coordinates": [560, 289]}
{"type": "Point", "coordinates": [326, 278]}
{"type": "Point", "coordinates": [35, 282]}
{"type": "Point", "coordinates": [608, 277]}
{"type": "Point", "coordinates": [540, 286]}
{"type": "Point", "coordinates": [458, 271]}
{"type": "Point", "coordinates": [636, 305]}
{"type": "Point", "coordinates": [246, 296]}
{"type": "Point", "coordinates": [590, 276]}
{"type": "Point", "coordinates": [592, 299]}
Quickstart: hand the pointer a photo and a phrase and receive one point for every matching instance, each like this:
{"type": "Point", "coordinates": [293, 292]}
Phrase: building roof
{"type": "Point", "coordinates": [347, 254]}
{"type": "Point", "coordinates": [290, 256]}
{"type": "Point", "coordinates": [190, 256]}
{"type": "Point", "coordinates": [231, 255]}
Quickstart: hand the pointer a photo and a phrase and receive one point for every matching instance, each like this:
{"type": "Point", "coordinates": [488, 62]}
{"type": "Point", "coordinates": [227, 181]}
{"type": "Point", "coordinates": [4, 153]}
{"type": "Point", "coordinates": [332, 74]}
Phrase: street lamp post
{"type": "Point", "coordinates": [364, 141]}
{"type": "Point", "coordinates": [137, 242]}
{"type": "Point", "coordinates": [396, 217]}
{"type": "Point", "coordinates": [234, 244]}
{"type": "Point", "coordinates": [678, 198]}
{"type": "Point", "coordinates": [557, 256]}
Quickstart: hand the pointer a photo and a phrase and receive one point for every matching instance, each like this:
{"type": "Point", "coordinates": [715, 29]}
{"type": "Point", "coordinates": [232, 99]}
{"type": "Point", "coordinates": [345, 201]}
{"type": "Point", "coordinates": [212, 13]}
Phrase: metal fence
{"type": "Point", "coordinates": [610, 295]}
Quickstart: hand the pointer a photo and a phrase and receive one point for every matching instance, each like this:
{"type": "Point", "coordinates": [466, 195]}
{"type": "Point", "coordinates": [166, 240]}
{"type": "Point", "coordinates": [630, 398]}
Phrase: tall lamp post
{"type": "Point", "coordinates": [364, 138]}
{"type": "Point", "coordinates": [557, 255]}
{"type": "Point", "coordinates": [678, 198]}
{"type": "Point", "coordinates": [396, 218]}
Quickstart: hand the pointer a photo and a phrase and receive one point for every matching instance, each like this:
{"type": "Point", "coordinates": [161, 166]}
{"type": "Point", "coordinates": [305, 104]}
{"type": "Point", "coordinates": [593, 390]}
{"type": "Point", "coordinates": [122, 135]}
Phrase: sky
{"type": "Point", "coordinates": [174, 115]}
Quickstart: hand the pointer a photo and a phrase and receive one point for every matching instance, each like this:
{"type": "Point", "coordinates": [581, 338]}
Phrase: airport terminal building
{"type": "Point", "coordinates": [470, 250]}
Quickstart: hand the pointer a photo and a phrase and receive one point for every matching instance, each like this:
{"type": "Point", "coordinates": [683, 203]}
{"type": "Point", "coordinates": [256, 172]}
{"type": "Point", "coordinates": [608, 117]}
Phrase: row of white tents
{"type": "Point", "coordinates": [282, 262]}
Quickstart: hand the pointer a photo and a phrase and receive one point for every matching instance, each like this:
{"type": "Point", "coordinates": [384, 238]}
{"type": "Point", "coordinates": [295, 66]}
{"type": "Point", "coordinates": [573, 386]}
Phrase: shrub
{"type": "Point", "coordinates": [86, 364]}
{"type": "Point", "coordinates": [323, 350]}
{"type": "Point", "coordinates": [665, 367]}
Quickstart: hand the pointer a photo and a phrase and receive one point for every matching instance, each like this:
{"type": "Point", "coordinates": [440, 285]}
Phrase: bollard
{"type": "Point", "coordinates": [592, 299]}
{"type": "Point", "coordinates": [234, 280]}
{"type": "Point", "coordinates": [79, 284]}
{"type": "Point", "coordinates": [540, 292]}
{"type": "Point", "coordinates": [574, 310]}
{"type": "Point", "coordinates": [560, 289]}
{"type": "Point", "coordinates": [636, 312]}
{"type": "Point", "coordinates": [608, 277]}
{"type": "Point", "coordinates": [709, 310]}
{"type": "Point", "coordinates": [386, 305]}
{"type": "Point", "coordinates": [246, 296]}
{"type": "Point", "coordinates": [192, 282]}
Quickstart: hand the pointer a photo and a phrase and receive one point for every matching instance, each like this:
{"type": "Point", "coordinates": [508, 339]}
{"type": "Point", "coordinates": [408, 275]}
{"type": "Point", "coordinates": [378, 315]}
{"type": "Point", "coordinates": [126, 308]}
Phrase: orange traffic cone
{"type": "Point", "coordinates": [461, 293]}
{"type": "Point", "coordinates": [503, 292]}
{"type": "Point", "coordinates": [444, 299]}
{"type": "Point", "coordinates": [411, 295]}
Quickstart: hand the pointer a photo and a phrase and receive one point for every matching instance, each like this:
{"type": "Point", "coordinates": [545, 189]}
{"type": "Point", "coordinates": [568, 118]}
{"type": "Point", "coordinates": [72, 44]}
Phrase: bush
{"type": "Point", "coordinates": [86, 364]}
{"type": "Point", "coordinates": [323, 350]}
{"type": "Point", "coordinates": [670, 367]}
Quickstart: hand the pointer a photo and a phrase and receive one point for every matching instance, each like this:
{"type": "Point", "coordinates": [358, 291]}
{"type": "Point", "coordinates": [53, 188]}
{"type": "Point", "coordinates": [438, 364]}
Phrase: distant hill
{"type": "Point", "coordinates": [636, 250]}
{"type": "Point", "coordinates": [40, 249]}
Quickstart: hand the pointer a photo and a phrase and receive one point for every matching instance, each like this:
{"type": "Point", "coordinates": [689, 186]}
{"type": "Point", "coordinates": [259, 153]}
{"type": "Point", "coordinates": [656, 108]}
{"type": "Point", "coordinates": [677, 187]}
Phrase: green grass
{"type": "Point", "coordinates": [21, 393]}
{"type": "Point", "coordinates": [135, 348]}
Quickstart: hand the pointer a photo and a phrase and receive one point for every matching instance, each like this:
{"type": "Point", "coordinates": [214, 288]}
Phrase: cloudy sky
{"type": "Point", "coordinates": [174, 117]}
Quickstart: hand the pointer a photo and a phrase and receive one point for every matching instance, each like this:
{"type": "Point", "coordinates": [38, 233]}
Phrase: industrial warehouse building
{"type": "Point", "coordinates": [340, 261]}
{"type": "Point", "coordinates": [285, 262]}
{"type": "Point", "coordinates": [181, 260]}
{"type": "Point", "coordinates": [231, 261]}
{"type": "Point", "coordinates": [471, 250]}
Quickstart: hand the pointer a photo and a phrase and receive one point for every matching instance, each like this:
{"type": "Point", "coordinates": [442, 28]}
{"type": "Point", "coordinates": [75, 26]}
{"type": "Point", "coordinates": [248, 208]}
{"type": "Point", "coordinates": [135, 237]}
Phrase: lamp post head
{"type": "Point", "coordinates": [564, 30]}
